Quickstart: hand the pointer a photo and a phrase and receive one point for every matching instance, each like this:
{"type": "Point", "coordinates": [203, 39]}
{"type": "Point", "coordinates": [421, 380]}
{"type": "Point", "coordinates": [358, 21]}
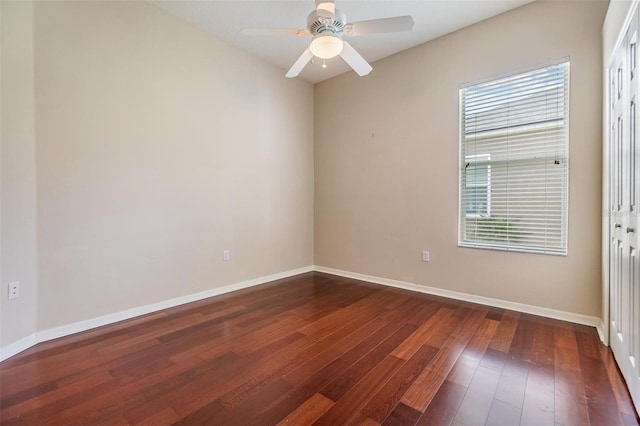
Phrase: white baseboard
{"type": "Point", "coordinates": [16, 347]}
{"type": "Point", "coordinates": [66, 330]}
{"type": "Point", "coordinates": [602, 333]}
{"type": "Point", "coordinates": [499, 303]}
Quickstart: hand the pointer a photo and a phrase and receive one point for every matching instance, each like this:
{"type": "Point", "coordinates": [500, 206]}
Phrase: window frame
{"type": "Point", "coordinates": [561, 249]}
{"type": "Point", "coordinates": [486, 162]}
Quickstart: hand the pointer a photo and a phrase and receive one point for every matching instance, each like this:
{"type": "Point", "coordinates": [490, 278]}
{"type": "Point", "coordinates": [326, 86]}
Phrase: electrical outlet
{"type": "Point", "coordinates": [14, 289]}
{"type": "Point", "coordinates": [425, 256]}
{"type": "Point", "coordinates": [226, 256]}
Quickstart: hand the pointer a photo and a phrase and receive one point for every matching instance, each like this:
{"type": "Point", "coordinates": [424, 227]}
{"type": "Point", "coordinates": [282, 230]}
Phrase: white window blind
{"type": "Point", "coordinates": [514, 134]}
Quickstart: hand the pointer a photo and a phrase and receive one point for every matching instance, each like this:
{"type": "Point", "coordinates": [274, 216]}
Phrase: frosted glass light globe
{"type": "Point", "coordinates": [326, 46]}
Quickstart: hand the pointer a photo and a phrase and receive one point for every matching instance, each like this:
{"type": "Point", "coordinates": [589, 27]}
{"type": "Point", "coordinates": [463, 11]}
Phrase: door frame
{"type": "Point", "coordinates": [603, 328]}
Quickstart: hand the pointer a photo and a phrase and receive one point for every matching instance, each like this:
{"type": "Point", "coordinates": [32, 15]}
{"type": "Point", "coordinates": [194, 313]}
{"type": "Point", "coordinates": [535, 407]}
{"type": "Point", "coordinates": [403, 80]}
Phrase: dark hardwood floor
{"type": "Point", "coordinates": [324, 350]}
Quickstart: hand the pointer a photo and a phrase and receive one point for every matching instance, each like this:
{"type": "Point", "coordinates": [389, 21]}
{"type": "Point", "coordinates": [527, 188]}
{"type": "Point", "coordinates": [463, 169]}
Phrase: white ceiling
{"type": "Point", "coordinates": [433, 18]}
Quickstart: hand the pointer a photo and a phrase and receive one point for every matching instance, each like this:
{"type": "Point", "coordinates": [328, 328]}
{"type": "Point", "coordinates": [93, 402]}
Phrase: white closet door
{"type": "Point", "coordinates": [624, 282]}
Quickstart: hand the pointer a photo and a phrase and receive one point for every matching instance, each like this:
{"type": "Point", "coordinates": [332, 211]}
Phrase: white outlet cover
{"type": "Point", "coordinates": [14, 290]}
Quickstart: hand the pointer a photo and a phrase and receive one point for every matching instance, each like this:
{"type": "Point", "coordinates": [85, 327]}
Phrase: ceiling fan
{"type": "Point", "coordinates": [327, 25]}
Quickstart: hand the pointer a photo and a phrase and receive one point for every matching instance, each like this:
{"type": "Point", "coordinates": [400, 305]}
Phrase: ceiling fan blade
{"type": "Point", "coordinates": [377, 26]}
{"type": "Point", "coordinates": [299, 65]}
{"type": "Point", "coordinates": [274, 31]}
{"type": "Point", "coordinates": [326, 8]}
{"type": "Point", "coordinates": [354, 60]}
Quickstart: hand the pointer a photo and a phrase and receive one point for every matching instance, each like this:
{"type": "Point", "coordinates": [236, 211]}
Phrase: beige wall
{"type": "Point", "coordinates": [158, 147]}
{"type": "Point", "coordinates": [18, 172]}
{"type": "Point", "coordinates": [386, 158]}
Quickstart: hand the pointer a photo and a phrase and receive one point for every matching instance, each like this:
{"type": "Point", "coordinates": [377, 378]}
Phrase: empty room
{"type": "Point", "coordinates": [319, 212]}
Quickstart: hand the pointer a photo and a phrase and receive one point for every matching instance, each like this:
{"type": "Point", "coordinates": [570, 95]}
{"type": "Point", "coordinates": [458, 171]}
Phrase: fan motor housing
{"type": "Point", "coordinates": [319, 24]}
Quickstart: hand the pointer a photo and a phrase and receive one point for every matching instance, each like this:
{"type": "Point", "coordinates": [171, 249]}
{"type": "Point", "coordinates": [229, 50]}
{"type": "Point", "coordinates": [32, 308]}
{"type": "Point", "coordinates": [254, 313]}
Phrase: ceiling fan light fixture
{"type": "Point", "coordinates": [326, 46]}
{"type": "Point", "coordinates": [327, 25]}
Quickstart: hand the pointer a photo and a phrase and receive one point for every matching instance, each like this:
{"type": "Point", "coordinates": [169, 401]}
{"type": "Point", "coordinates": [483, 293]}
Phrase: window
{"type": "Point", "coordinates": [477, 186]}
{"type": "Point", "coordinates": [514, 135]}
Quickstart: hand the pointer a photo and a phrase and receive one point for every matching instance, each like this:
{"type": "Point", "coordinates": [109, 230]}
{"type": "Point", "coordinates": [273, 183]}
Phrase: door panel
{"type": "Point", "coordinates": [624, 267]}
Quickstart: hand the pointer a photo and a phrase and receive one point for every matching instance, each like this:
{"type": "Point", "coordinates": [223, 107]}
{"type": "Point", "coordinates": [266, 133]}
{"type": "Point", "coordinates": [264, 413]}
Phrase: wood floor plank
{"type": "Point", "coordinates": [466, 366]}
{"type": "Point", "coordinates": [402, 415]}
{"type": "Point", "coordinates": [28, 394]}
{"type": "Point", "coordinates": [327, 365]}
{"type": "Point", "coordinates": [48, 369]}
{"type": "Point", "coordinates": [309, 411]}
{"type": "Point", "coordinates": [349, 405]}
{"type": "Point", "coordinates": [227, 341]}
{"type": "Point", "coordinates": [444, 405]}
{"type": "Point", "coordinates": [342, 384]}
{"type": "Point", "coordinates": [423, 334]}
{"type": "Point", "coordinates": [196, 393]}
{"type": "Point", "coordinates": [361, 420]}
{"type": "Point", "coordinates": [514, 366]}
{"type": "Point", "coordinates": [522, 342]}
{"type": "Point", "coordinates": [419, 395]}
{"type": "Point", "coordinates": [476, 404]}
{"type": "Point", "coordinates": [570, 399]}
{"type": "Point", "coordinates": [276, 364]}
{"type": "Point", "coordinates": [601, 401]}
{"type": "Point", "coordinates": [495, 314]}
{"type": "Point", "coordinates": [236, 414]}
{"type": "Point", "coordinates": [318, 348]}
{"type": "Point", "coordinates": [103, 400]}
{"type": "Point", "coordinates": [360, 339]}
{"type": "Point", "coordinates": [539, 399]}
{"type": "Point", "coordinates": [620, 392]}
{"type": "Point", "coordinates": [494, 359]}
{"type": "Point", "coordinates": [166, 416]}
{"type": "Point", "coordinates": [503, 336]}
{"type": "Point", "coordinates": [90, 340]}
{"type": "Point", "coordinates": [383, 402]}
{"type": "Point", "coordinates": [87, 381]}
{"type": "Point", "coordinates": [513, 383]}
{"type": "Point", "coordinates": [503, 414]}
